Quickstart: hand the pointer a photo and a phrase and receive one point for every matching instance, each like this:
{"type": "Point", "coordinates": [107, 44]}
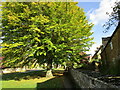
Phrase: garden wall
{"type": "Point", "coordinates": [11, 70]}
{"type": "Point", "coordinates": [84, 81]}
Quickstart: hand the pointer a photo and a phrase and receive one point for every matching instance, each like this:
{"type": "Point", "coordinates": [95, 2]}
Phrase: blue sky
{"type": "Point", "coordinates": [87, 6]}
{"type": "Point", "coordinates": [96, 13]}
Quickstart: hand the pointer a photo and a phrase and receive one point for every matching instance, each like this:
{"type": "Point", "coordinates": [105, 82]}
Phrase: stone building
{"type": "Point", "coordinates": [110, 54]}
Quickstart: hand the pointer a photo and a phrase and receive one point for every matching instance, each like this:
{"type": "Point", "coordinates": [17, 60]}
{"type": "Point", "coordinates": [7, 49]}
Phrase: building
{"type": "Point", "coordinates": [97, 53]}
{"type": "Point", "coordinates": [105, 40]}
{"type": "Point", "coordinates": [110, 54]}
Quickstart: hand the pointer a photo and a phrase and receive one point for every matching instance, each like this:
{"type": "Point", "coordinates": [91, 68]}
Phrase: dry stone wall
{"type": "Point", "coordinates": [84, 81]}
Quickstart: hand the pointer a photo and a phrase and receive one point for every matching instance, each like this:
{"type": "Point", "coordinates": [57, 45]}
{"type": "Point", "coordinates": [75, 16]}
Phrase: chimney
{"type": "Point", "coordinates": [105, 40]}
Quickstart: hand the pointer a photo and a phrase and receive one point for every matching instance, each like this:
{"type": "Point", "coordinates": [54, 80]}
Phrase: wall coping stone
{"type": "Point", "coordinates": [84, 81]}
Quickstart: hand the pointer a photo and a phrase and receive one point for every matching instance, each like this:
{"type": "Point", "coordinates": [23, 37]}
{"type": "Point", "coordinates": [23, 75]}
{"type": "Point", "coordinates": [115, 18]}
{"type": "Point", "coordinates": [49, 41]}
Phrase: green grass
{"type": "Point", "coordinates": [56, 82]}
{"type": "Point", "coordinates": [32, 83]}
{"type": "Point", "coordinates": [35, 79]}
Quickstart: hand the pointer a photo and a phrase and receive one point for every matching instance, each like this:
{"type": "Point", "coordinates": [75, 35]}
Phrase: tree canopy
{"type": "Point", "coordinates": [43, 32]}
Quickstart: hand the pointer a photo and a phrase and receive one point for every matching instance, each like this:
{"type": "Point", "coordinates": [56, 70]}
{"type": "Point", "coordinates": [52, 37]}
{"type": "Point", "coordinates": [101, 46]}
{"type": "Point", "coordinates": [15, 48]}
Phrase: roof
{"type": "Point", "coordinates": [97, 51]}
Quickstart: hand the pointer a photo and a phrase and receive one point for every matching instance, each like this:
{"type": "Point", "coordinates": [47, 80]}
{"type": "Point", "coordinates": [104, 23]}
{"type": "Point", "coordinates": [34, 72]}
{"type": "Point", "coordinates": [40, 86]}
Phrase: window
{"type": "Point", "coordinates": [111, 45]}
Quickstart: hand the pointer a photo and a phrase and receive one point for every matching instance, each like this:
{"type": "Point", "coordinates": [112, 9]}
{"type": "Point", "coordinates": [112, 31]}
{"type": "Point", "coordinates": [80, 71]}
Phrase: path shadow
{"type": "Point", "coordinates": [56, 83]}
{"type": "Point", "coordinates": [24, 75]}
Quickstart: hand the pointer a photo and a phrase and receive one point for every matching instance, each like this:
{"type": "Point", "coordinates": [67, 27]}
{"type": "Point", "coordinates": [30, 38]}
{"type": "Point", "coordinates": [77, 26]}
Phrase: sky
{"type": "Point", "coordinates": [96, 14]}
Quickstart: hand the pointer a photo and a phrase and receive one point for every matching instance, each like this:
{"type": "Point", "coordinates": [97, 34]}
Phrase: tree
{"type": "Point", "coordinates": [113, 17]}
{"type": "Point", "coordinates": [44, 32]}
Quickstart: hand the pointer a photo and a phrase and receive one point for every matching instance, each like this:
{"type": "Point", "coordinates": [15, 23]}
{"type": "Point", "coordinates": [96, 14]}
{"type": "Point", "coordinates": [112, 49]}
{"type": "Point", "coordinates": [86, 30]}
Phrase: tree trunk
{"type": "Point", "coordinates": [49, 68]}
{"type": "Point", "coordinates": [57, 66]}
{"type": "Point", "coordinates": [64, 66]}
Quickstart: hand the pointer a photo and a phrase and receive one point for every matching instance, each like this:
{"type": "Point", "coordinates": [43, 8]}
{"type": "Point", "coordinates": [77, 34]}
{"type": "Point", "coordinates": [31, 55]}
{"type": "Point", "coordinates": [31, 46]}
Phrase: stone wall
{"type": "Point", "coordinates": [84, 81]}
{"type": "Point", "coordinates": [10, 70]}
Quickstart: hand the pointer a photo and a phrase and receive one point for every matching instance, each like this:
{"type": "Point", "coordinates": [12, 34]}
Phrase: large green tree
{"type": "Point", "coordinates": [43, 32]}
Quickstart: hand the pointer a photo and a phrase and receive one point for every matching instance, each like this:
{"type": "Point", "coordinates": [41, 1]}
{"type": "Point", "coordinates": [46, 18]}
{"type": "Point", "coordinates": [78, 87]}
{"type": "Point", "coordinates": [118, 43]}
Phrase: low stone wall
{"type": "Point", "coordinates": [10, 70]}
{"type": "Point", "coordinates": [84, 81]}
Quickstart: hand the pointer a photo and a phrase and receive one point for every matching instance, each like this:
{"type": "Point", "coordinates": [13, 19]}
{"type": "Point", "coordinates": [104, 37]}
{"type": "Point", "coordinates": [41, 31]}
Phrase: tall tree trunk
{"type": "Point", "coordinates": [49, 68]}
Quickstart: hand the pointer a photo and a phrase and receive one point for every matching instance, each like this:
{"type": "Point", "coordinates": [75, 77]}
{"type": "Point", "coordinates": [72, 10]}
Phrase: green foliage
{"type": "Point", "coordinates": [37, 32]}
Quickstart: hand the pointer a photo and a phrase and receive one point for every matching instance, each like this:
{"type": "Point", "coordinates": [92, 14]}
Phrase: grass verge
{"type": "Point", "coordinates": [34, 79]}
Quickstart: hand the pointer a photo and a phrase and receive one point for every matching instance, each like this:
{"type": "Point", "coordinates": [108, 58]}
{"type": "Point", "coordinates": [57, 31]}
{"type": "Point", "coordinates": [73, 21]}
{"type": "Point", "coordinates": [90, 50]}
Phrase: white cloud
{"type": "Point", "coordinates": [93, 48]}
{"type": "Point", "coordinates": [90, 11]}
{"type": "Point", "coordinates": [99, 16]}
{"type": "Point", "coordinates": [87, 0]}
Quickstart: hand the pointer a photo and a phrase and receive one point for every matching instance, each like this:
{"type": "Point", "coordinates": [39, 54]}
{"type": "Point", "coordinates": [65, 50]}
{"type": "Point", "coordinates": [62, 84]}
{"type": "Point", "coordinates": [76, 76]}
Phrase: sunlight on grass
{"type": "Point", "coordinates": [34, 79]}
{"type": "Point", "coordinates": [31, 83]}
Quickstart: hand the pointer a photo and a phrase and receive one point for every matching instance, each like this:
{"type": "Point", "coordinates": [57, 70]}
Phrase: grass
{"type": "Point", "coordinates": [33, 83]}
{"type": "Point", "coordinates": [23, 83]}
{"type": "Point", "coordinates": [56, 82]}
{"type": "Point", "coordinates": [34, 79]}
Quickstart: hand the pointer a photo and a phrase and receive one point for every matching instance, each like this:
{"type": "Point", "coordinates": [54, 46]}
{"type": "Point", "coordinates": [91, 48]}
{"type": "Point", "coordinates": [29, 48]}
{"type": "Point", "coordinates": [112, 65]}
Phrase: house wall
{"type": "Point", "coordinates": [111, 54]}
{"type": "Point", "coordinates": [119, 43]}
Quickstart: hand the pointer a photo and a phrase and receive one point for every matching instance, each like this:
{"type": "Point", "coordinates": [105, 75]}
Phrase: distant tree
{"type": "Point", "coordinates": [43, 32]}
{"type": "Point", "coordinates": [114, 17]}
